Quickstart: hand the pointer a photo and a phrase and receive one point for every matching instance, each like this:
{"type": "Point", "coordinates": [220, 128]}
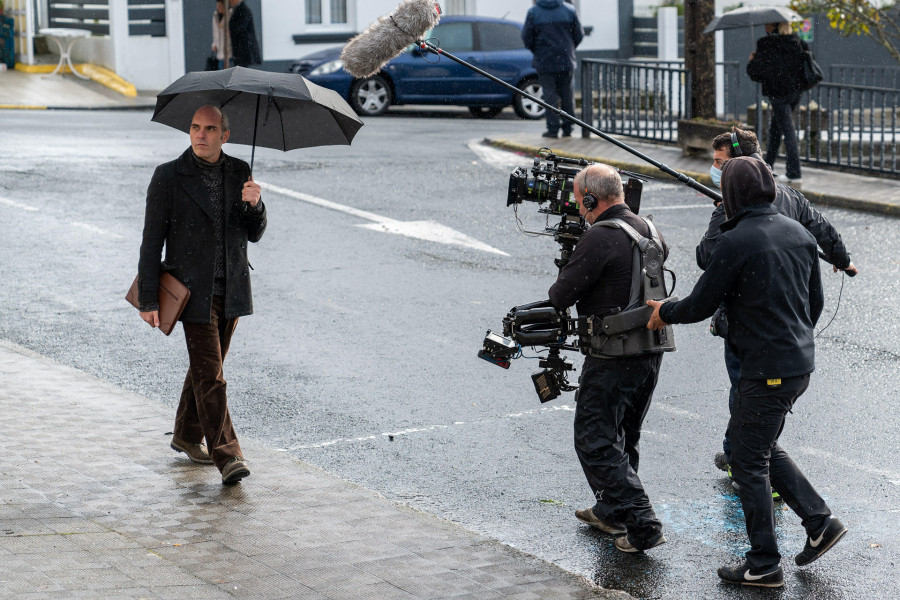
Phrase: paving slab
{"type": "Point", "coordinates": [94, 504]}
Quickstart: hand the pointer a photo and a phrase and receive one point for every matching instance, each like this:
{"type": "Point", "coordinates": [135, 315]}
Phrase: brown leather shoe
{"type": "Point", "coordinates": [235, 470]}
{"type": "Point", "coordinates": [624, 545]}
{"type": "Point", "coordinates": [196, 452]}
{"type": "Point", "coordinates": [586, 515]}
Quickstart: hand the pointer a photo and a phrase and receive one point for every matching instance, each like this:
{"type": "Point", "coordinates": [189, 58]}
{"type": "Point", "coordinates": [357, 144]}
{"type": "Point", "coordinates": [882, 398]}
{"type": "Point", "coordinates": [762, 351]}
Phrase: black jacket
{"type": "Point", "coordinates": [243, 37]}
{"type": "Point", "coordinates": [597, 277]}
{"type": "Point", "coordinates": [179, 215]}
{"type": "Point", "coordinates": [552, 31]}
{"type": "Point", "coordinates": [765, 269]}
{"type": "Point", "coordinates": [791, 204]}
{"type": "Point", "coordinates": [778, 65]}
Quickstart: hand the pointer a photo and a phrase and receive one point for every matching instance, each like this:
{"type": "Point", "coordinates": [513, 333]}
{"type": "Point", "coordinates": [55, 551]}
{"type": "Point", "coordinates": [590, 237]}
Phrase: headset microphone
{"type": "Point", "coordinates": [735, 146]}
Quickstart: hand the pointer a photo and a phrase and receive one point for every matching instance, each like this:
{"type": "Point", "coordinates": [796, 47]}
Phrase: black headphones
{"type": "Point", "coordinates": [589, 201]}
{"type": "Point", "coordinates": [735, 146]}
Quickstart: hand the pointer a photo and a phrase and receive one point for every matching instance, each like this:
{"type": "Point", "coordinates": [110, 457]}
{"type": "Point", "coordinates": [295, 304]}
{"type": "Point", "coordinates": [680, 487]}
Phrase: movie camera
{"type": "Point", "coordinates": [549, 183]}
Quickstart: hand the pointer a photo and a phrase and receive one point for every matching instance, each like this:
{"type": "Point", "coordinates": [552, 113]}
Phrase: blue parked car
{"type": "Point", "coordinates": [417, 77]}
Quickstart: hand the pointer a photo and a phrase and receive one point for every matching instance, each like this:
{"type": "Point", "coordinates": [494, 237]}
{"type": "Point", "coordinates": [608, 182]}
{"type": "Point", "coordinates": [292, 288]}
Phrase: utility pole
{"type": "Point", "coordinates": [699, 57]}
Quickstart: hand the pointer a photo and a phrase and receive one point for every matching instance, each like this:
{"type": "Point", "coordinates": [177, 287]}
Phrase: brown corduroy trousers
{"type": "Point", "coordinates": [203, 409]}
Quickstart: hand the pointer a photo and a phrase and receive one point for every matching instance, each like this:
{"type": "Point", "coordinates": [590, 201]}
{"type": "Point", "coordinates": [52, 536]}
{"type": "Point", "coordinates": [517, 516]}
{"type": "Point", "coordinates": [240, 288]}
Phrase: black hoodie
{"type": "Point", "coordinates": [765, 269]}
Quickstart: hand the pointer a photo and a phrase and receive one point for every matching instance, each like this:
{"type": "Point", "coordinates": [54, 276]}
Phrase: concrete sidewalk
{"type": "Point", "coordinates": [820, 186]}
{"type": "Point", "coordinates": [94, 504]}
{"type": "Point", "coordinates": [39, 90]}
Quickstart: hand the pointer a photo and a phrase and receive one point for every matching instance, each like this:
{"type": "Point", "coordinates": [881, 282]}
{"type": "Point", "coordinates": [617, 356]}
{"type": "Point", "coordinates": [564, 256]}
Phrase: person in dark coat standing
{"type": "Point", "coordinates": [777, 63]}
{"type": "Point", "coordinates": [788, 202]}
{"type": "Point", "coordinates": [203, 208]}
{"type": "Point", "coordinates": [243, 35]}
{"type": "Point", "coordinates": [552, 31]}
{"type": "Point", "coordinates": [614, 393]}
{"type": "Point", "coordinates": [765, 269]}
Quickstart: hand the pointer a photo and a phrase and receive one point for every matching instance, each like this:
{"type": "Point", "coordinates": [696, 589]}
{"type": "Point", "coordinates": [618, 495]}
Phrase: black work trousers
{"type": "Point", "coordinates": [782, 125]}
{"type": "Point", "coordinates": [203, 409]}
{"type": "Point", "coordinates": [613, 398]}
{"type": "Point", "coordinates": [758, 463]}
{"type": "Point", "coordinates": [558, 91]}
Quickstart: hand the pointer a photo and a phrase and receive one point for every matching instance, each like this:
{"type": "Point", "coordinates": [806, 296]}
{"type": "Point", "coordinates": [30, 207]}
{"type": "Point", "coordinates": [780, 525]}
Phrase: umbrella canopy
{"type": "Point", "coordinates": [274, 110]}
{"type": "Point", "coordinates": [747, 16]}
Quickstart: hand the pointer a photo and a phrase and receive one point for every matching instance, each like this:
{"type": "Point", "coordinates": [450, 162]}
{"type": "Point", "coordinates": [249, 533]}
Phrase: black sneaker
{"type": "Point", "coordinates": [586, 515]}
{"type": "Point", "coordinates": [567, 134]}
{"type": "Point", "coordinates": [722, 462]}
{"type": "Point", "coordinates": [549, 134]}
{"type": "Point", "coordinates": [740, 574]}
{"type": "Point", "coordinates": [821, 542]}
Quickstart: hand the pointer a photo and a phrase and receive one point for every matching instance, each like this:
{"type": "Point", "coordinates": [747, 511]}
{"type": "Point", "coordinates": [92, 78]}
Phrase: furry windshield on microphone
{"type": "Point", "coordinates": [367, 53]}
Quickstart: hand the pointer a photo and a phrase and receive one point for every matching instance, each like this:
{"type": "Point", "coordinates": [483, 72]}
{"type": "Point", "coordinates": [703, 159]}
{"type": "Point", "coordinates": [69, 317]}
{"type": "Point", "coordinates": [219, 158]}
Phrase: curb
{"type": "Point", "coordinates": [101, 75]}
{"type": "Point", "coordinates": [824, 199]}
{"type": "Point", "coordinates": [22, 107]}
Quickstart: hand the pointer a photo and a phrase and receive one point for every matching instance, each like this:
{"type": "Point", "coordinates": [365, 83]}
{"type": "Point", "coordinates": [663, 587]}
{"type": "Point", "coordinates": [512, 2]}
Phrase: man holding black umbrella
{"type": "Point", "coordinates": [204, 208]}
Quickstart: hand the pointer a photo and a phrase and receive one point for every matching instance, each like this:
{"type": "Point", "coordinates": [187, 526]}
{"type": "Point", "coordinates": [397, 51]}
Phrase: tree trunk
{"type": "Point", "coordinates": [699, 57]}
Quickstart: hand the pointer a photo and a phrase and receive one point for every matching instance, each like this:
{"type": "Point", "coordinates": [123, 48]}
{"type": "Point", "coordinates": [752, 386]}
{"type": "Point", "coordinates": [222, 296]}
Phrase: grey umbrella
{"type": "Point", "coordinates": [273, 110]}
{"type": "Point", "coordinates": [747, 16]}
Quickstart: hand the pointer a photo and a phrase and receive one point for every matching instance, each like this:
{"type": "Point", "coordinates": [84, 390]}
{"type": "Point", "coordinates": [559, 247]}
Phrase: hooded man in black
{"type": "Point", "coordinates": [765, 270]}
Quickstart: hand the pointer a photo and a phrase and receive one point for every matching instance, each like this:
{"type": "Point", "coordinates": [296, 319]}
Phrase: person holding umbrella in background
{"type": "Point", "coordinates": [204, 207]}
{"type": "Point", "coordinates": [777, 63]}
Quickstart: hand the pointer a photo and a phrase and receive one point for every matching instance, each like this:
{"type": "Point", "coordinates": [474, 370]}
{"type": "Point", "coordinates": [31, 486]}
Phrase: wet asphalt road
{"type": "Point", "coordinates": [361, 355]}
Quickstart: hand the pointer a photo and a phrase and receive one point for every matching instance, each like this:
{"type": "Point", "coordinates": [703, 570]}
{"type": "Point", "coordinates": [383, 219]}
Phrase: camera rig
{"type": "Point", "coordinates": [551, 180]}
{"type": "Point", "coordinates": [549, 183]}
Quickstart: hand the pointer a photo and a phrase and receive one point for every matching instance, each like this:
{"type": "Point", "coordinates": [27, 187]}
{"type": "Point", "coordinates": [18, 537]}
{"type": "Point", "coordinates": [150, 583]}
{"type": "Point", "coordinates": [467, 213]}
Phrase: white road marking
{"type": "Point", "coordinates": [97, 230]}
{"type": "Point", "coordinates": [559, 407]}
{"type": "Point", "coordinates": [423, 230]}
{"type": "Point", "coordinates": [494, 157]}
{"type": "Point", "coordinates": [87, 226]}
{"type": "Point", "coordinates": [892, 476]}
{"type": "Point", "coordinates": [18, 205]}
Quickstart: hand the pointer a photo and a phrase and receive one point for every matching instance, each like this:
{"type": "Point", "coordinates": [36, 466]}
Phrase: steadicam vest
{"type": "Point", "coordinates": [625, 333]}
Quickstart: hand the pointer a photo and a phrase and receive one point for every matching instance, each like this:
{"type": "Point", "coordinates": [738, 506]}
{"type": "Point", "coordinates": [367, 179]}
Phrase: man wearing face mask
{"type": "Point", "coordinates": [765, 270]}
{"type": "Point", "coordinates": [789, 202]}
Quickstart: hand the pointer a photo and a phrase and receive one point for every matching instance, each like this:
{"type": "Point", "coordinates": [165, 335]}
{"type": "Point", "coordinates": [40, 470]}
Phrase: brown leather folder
{"type": "Point", "coordinates": [173, 297]}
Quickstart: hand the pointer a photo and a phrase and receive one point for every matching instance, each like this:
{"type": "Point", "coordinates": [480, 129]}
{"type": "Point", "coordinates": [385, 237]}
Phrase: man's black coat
{"type": "Point", "coordinates": [179, 214]}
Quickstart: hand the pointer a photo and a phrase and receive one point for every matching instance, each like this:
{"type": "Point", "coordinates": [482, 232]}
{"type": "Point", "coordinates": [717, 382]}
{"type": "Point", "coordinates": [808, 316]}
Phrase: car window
{"type": "Point", "coordinates": [454, 37]}
{"type": "Point", "coordinates": [499, 36]}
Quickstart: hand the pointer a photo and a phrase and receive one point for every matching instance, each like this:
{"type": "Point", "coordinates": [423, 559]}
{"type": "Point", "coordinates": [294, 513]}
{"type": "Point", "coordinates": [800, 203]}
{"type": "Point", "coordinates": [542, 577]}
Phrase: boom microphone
{"type": "Point", "coordinates": [368, 52]}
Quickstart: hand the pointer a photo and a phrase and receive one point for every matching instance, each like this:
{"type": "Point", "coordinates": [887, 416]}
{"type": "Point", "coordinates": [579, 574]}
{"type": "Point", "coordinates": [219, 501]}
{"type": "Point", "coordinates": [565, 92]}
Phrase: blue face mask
{"type": "Point", "coordinates": [716, 175]}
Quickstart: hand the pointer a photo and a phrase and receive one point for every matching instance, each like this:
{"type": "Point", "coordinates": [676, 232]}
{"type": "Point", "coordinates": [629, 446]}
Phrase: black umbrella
{"type": "Point", "coordinates": [748, 16]}
{"type": "Point", "coordinates": [273, 110]}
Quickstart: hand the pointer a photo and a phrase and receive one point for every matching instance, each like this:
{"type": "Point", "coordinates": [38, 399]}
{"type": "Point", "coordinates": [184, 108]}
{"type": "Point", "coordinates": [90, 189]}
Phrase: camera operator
{"type": "Point", "coordinates": [614, 394]}
{"type": "Point", "coordinates": [765, 268]}
{"type": "Point", "coordinates": [789, 202]}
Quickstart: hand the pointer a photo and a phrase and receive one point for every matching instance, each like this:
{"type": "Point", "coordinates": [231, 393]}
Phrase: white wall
{"type": "Point", "coordinates": [282, 19]}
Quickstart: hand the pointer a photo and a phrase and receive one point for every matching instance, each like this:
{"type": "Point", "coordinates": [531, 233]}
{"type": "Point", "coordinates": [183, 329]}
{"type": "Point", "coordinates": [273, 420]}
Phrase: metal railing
{"type": "Point", "coordinates": [847, 125]}
{"type": "Point", "coordinates": [646, 98]}
{"type": "Point", "coordinates": [888, 77]}
{"type": "Point", "coordinates": [637, 99]}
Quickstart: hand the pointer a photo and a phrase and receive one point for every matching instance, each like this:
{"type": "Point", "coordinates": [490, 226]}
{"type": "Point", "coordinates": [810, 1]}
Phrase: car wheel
{"type": "Point", "coordinates": [485, 112]}
{"type": "Point", "coordinates": [370, 96]}
{"type": "Point", "coordinates": [529, 109]}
